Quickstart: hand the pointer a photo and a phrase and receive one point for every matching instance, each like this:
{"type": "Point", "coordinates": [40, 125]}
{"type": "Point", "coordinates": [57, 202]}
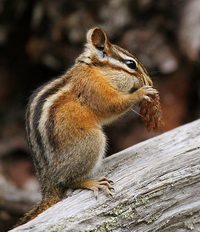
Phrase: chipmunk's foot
{"type": "Point", "coordinates": [96, 185]}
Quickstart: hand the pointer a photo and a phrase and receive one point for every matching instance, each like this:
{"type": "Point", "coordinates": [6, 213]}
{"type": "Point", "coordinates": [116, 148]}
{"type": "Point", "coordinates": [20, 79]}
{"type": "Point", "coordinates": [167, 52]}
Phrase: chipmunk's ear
{"type": "Point", "coordinates": [98, 38]}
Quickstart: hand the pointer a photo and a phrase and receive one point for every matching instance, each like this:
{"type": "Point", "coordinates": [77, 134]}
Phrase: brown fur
{"type": "Point", "coordinates": [65, 118]}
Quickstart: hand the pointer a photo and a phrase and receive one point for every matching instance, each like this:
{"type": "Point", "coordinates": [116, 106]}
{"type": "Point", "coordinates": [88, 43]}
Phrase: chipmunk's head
{"type": "Point", "coordinates": [122, 68]}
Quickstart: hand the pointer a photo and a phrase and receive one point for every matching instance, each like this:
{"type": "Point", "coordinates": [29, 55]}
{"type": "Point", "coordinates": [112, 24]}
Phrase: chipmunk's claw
{"type": "Point", "coordinates": [103, 184]}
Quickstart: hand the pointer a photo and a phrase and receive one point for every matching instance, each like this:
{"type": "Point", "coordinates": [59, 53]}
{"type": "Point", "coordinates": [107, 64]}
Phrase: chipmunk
{"type": "Point", "coordinates": [65, 117]}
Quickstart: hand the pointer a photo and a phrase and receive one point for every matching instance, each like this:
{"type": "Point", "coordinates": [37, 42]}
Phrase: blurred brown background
{"type": "Point", "coordinates": [39, 39]}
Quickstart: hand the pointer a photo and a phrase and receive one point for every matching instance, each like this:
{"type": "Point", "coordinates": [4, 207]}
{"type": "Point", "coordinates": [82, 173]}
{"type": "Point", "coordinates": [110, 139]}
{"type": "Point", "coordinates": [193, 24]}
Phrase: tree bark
{"type": "Point", "coordinates": [157, 188]}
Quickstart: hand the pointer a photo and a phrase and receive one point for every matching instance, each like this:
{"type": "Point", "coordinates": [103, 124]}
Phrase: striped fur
{"type": "Point", "coordinates": [65, 116]}
{"type": "Point", "coordinates": [41, 112]}
{"type": "Point", "coordinates": [37, 119]}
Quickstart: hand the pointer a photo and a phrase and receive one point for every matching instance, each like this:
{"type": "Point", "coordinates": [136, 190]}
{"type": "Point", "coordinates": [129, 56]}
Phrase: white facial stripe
{"type": "Point", "coordinates": [120, 64]}
{"type": "Point", "coordinates": [116, 62]}
{"type": "Point", "coordinates": [125, 57]}
{"type": "Point", "coordinates": [89, 50]}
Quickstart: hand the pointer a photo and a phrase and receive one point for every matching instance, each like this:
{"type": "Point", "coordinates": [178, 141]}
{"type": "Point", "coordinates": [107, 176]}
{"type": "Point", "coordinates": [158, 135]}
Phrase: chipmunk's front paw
{"type": "Point", "coordinates": [148, 90]}
{"type": "Point", "coordinates": [144, 91]}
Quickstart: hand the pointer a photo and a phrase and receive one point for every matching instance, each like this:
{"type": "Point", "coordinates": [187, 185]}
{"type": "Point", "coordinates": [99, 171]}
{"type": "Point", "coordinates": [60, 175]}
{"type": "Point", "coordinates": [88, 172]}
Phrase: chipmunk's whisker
{"type": "Point", "coordinates": [136, 112]}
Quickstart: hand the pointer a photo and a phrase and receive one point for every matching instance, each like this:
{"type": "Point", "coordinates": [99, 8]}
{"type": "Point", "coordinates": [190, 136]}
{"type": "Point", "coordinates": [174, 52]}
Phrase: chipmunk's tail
{"type": "Point", "coordinates": [46, 203]}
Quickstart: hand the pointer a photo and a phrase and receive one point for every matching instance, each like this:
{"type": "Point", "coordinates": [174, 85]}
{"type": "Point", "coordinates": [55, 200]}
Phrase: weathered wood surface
{"type": "Point", "coordinates": [157, 188]}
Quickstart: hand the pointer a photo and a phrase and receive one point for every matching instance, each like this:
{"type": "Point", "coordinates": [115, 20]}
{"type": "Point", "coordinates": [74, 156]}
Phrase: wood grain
{"type": "Point", "coordinates": [157, 188]}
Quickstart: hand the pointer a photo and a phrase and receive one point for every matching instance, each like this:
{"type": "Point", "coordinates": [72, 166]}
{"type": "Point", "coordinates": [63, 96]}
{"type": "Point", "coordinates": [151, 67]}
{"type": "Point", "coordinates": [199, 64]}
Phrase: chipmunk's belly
{"type": "Point", "coordinates": [83, 155]}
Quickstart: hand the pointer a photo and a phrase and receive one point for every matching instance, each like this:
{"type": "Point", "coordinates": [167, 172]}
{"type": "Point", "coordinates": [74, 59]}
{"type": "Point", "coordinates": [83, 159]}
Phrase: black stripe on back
{"type": "Point", "coordinates": [28, 129]}
{"type": "Point", "coordinates": [38, 111]}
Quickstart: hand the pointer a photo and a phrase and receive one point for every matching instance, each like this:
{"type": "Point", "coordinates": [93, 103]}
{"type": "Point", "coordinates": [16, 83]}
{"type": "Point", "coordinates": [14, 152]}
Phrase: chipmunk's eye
{"type": "Point", "coordinates": [130, 63]}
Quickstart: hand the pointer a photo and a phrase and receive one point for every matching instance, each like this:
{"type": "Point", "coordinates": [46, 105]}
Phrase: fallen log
{"type": "Point", "coordinates": [157, 188]}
